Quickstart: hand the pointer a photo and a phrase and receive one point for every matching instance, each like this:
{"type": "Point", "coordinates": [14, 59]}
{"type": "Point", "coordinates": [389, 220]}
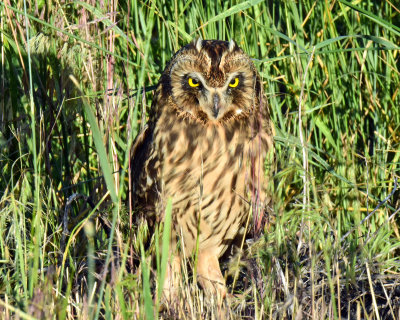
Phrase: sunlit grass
{"type": "Point", "coordinates": [76, 84]}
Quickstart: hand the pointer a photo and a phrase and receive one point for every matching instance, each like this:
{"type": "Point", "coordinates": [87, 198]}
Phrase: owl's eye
{"type": "Point", "coordinates": [193, 82]}
{"type": "Point", "coordinates": [234, 82]}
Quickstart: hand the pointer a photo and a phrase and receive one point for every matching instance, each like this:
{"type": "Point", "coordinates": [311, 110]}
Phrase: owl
{"type": "Point", "coordinates": [204, 146]}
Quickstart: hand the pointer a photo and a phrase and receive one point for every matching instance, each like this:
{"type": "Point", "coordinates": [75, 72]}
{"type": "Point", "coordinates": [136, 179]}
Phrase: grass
{"type": "Point", "coordinates": [76, 84]}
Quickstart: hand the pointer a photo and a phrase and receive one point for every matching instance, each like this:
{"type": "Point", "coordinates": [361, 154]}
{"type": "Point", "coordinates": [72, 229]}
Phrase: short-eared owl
{"type": "Point", "coordinates": [204, 146]}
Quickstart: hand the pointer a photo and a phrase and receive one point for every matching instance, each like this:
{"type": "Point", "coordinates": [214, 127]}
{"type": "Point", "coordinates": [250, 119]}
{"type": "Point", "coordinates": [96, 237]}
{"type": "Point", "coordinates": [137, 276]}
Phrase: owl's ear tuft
{"type": "Point", "coordinates": [198, 44]}
{"type": "Point", "coordinates": [232, 45]}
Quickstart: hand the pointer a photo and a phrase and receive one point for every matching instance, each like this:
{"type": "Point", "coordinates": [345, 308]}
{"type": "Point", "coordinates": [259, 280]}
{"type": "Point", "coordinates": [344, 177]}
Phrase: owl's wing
{"type": "Point", "coordinates": [139, 153]}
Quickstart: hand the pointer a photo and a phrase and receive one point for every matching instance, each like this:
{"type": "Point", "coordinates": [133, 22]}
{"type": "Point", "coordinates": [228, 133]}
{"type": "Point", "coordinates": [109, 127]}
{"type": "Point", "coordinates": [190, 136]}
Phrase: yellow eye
{"type": "Point", "coordinates": [234, 82]}
{"type": "Point", "coordinates": [193, 82]}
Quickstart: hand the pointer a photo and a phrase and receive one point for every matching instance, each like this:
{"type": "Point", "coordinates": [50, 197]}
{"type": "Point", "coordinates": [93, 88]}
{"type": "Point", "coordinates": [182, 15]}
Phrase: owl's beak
{"type": "Point", "coordinates": [216, 106]}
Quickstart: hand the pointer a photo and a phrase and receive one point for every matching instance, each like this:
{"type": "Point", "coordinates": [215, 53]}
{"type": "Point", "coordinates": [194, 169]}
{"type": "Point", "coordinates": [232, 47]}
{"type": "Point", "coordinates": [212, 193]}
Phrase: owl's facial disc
{"type": "Point", "coordinates": [213, 82]}
{"type": "Point", "coordinates": [218, 102]}
{"type": "Point", "coordinates": [212, 104]}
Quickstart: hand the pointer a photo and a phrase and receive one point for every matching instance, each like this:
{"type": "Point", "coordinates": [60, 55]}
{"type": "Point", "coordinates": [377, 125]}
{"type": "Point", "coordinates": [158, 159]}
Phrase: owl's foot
{"type": "Point", "coordinates": [210, 276]}
{"type": "Point", "coordinates": [170, 294]}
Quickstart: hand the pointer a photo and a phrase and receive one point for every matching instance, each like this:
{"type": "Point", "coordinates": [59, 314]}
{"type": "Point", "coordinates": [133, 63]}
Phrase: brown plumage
{"type": "Point", "coordinates": [204, 146]}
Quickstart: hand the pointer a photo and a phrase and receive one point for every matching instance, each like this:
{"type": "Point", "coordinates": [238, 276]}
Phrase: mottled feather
{"type": "Point", "coordinates": [204, 146]}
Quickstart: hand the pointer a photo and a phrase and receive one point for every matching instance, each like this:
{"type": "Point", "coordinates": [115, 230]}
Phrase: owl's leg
{"type": "Point", "coordinates": [209, 274]}
{"type": "Point", "coordinates": [171, 282]}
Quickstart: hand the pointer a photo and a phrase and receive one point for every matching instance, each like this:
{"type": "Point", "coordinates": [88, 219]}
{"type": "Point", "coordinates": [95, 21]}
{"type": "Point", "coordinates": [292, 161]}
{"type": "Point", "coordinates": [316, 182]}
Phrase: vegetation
{"type": "Point", "coordinates": [76, 84]}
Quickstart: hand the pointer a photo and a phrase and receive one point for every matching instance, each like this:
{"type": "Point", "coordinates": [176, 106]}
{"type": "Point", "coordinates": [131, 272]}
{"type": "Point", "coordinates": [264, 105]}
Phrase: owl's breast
{"type": "Point", "coordinates": [202, 162]}
{"type": "Point", "coordinates": [206, 175]}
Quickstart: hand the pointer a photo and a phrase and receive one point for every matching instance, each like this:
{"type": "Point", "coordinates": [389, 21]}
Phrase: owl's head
{"type": "Point", "coordinates": [212, 81]}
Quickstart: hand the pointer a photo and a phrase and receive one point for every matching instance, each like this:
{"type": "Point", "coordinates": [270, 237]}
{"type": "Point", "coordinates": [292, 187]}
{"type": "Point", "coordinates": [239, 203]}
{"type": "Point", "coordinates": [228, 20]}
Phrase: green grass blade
{"type": "Point", "coordinates": [148, 302]}
{"type": "Point", "coordinates": [231, 11]}
{"type": "Point", "coordinates": [389, 26]}
{"type": "Point", "coordinates": [165, 254]}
